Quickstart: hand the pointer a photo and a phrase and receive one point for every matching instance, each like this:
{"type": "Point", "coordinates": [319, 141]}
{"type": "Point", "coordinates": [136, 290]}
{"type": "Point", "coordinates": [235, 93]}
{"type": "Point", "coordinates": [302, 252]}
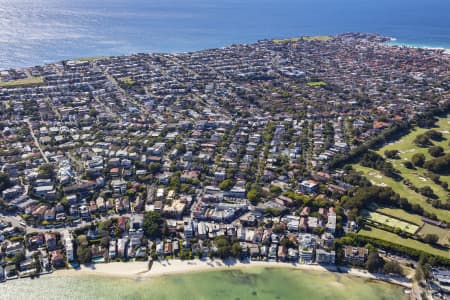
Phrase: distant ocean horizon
{"type": "Point", "coordinates": [35, 32]}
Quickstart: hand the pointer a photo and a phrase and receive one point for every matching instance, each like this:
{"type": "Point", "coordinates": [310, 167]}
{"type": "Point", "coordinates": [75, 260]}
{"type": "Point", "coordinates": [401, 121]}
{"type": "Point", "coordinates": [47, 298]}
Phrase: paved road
{"type": "Point", "coordinates": [144, 113]}
{"type": "Point", "coordinates": [36, 142]}
{"type": "Point", "coordinates": [15, 221]}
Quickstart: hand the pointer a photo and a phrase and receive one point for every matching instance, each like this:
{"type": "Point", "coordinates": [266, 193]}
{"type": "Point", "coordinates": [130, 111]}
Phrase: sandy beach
{"type": "Point", "coordinates": [140, 270]}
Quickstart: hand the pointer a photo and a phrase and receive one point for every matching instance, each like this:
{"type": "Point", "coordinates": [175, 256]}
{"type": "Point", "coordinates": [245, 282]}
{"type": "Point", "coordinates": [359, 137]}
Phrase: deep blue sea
{"type": "Point", "coordinates": [40, 31]}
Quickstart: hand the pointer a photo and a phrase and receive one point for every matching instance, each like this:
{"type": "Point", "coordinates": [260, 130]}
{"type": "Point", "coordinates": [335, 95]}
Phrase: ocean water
{"type": "Point", "coordinates": [253, 283]}
{"type": "Point", "coordinates": [40, 31]}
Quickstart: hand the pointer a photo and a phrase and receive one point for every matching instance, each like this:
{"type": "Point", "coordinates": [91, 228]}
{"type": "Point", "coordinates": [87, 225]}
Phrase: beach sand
{"type": "Point", "coordinates": [140, 270]}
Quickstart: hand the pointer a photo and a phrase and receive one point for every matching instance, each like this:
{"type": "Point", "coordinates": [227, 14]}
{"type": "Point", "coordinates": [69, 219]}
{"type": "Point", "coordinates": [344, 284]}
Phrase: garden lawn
{"type": "Point", "coordinates": [317, 38]}
{"type": "Point", "coordinates": [281, 41]}
{"type": "Point", "coordinates": [91, 58]}
{"type": "Point", "coordinates": [392, 222]}
{"type": "Point", "coordinates": [316, 83]}
{"type": "Point", "coordinates": [373, 232]}
{"type": "Point", "coordinates": [21, 82]}
{"type": "Point", "coordinates": [442, 233]}
{"type": "Point", "coordinates": [127, 80]}
{"type": "Point", "coordinates": [401, 214]}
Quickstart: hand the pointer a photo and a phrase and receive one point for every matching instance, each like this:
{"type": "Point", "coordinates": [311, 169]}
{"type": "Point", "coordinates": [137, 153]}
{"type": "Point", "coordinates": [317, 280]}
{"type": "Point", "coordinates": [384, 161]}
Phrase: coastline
{"type": "Point", "coordinates": [139, 270]}
{"type": "Point", "coordinates": [395, 42]}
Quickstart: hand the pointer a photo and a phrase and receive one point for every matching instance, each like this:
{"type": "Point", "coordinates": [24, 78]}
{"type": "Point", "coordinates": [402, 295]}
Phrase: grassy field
{"type": "Point", "coordinates": [418, 178]}
{"type": "Point", "coordinates": [392, 222]}
{"type": "Point", "coordinates": [378, 179]}
{"type": "Point", "coordinates": [127, 80]}
{"type": "Point", "coordinates": [401, 214]}
{"type": "Point", "coordinates": [442, 233]}
{"type": "Point", "coordinates": [317, 38]}
{"type": "Point", "coordinates": [316, 83]}
{"type": "Point", "coordinates": [92, 58]}
{"type": "Point", "coordinates": [21, 82]}
{"type": "Point", "coordinates": [407, 149]}
{"type": "Point", "coordinates": [281, 41]}
{"type": "Point", "coordinates": [394, 238]}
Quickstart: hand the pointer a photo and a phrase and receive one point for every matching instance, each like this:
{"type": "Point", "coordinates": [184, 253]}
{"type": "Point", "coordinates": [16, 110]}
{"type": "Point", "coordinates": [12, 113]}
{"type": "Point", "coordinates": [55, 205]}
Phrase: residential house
{"type": "Point", "coordinates": [50, 240]}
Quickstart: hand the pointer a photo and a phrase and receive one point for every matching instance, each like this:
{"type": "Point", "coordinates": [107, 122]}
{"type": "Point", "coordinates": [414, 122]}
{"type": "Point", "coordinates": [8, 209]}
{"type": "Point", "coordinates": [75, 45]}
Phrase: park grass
{"type": "Point", "coordinates": [397, 186]}
{"type": "Point", "coordinates": [22, 82]}
{"type": "Point", "coordinates": [91, 58]}
{"type": "Point", "coordinates": [282, 41]}
{"type": "Point", "coordinates": [316, 83]}
{"type": "Point", "coordinates": [317, 38]}
{"type": "Point", "coordinates": [401, 214]}
{"type": "Point", "coordinates": [442, 233]}
{"type": "Point", "coordinates": [392, 222]}
{"type": "Point", "coordinates": [127, 80]}
{"type": "Point", "coordinates": [372, 232]}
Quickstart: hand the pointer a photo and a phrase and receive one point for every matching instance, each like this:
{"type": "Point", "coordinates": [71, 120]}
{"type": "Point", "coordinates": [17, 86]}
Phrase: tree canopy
{"type": "Point", "coordinates": [436, 151]}
{"type": "Point", "coordinates": [374, 262]}
{"type": "Point", "coordinates": [431, 238]}
{"type": "Point", "coordinates": [47, 171]}
{"type": "Point", "coordinates": [418, 159]}
{"type": "Point", "coordinates": [422, 140]}
{"type": "Point", "coordinates": [226, 185]}
{"type": "Point", "coordinates": [152, 224]}
{"type": "Point", "coordinates": [373, 160]}
{"type": "Point", "coordinates": [392, 267]}
{"type": "Point", "coordinates": [4, 181]}
{"type": "Point", "coordinates": [439, 165]}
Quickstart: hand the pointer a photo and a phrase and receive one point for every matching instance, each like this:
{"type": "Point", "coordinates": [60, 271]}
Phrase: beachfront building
{"type": "Point", "coordinates": [355, 255]}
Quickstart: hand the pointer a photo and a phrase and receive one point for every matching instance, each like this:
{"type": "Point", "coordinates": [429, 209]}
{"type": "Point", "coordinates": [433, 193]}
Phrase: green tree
{"type": "Point", "coordinates": [391, 153]}
{"type": "Point", "coordinates": [152, 224]}
{"type": "Point", "coordinates": [419, 275]}
{"type": "Point", "coordinates": [374, 262]}
{"type": "Point", "coordinates": [154, 168]}
{"type": "Point", "coordinates": [439, 165]}
{"type": "Point", "coordinates": [436, 151]}
{"type": "Point", "coordinates": [286, 242]}
{"type": "Point", "coordinates": [18, 258]}
{"type": "Point", "coordinates": [174, 181]}
{"type": "Point", "coordinates": [104, 242]}
{"type": "Point", "coordinates": [181, 148]}
{"type": "Point", "coordinates": [82, 240]}
{"type": "Point", "coordinates": [431, 238]}
{"type": "Point", "coordinates": [422, 140]}
{"type": "Point", "coordinates": [418, 159]}
{"type": "Point", "coordinates": [253, 195]}
{"type": "Point", "coordinates": [427, 192]}
{"type": "Point", "coordinates": [223, 246]}
{"type": "Point", "coordinates": [105, 225]}
{"type": "Point", "coordinates": [226, 185]}
{"type": "Point", "coordinates": [47, 171]}
{"type": "Point", "coordinates": [275, 189]}
{"type": "Point", "coordinates": [4, 181]}
{"type": "Point", "coordinates": [236, 250]}
{"type": "Point", "coordinates": [84, 254]}
{"type": "Point", "coordinates": [392, 267]}
{"type": "Point", "coordinates": [434, 135]}
{"type": "Point", "coordinates": [408, 165]}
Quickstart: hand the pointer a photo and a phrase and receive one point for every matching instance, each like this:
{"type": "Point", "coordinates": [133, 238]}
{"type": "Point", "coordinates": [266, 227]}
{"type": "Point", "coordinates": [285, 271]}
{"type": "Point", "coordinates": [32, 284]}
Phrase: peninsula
{"type": "Point", "coordinates": [327, 152]}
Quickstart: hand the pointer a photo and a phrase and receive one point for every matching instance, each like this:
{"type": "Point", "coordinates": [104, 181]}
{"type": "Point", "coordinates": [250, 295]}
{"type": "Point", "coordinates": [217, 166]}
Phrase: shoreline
{"type": "Point", "coordinates": [139, 270]}
{"type": "Point", "coordinates": [395, 42]}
